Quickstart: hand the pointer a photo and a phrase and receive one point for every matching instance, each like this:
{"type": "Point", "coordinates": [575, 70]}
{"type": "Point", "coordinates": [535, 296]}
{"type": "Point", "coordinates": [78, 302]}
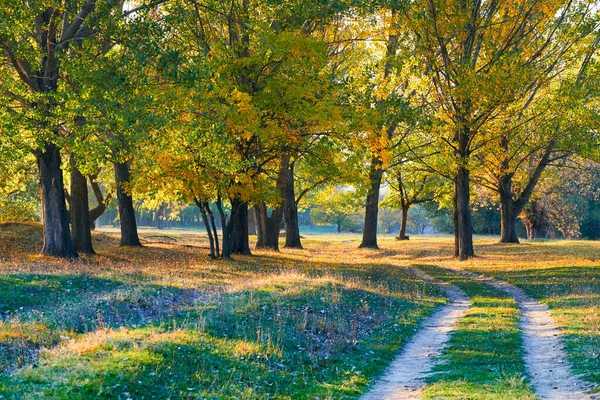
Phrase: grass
{"type": "Point", "coordinates": [484, 358]}
{"type": "Point", "coordinates": [165, 322]}
{"type": "Point", "coordinates": [573, 295]}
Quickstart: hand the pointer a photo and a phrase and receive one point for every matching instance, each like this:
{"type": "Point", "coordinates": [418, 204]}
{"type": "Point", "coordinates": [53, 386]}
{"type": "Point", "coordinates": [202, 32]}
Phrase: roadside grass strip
{"type": "Point", "coordinates": [484, 356]}
{"type": "Point", "coordinates": [573, 296]}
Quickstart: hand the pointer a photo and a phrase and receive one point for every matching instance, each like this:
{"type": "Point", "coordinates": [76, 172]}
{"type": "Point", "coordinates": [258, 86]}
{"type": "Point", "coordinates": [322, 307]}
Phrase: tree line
{"type": "Point", "coordinates": [252, 106]}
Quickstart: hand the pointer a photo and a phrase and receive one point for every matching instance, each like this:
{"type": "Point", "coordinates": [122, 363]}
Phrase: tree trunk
{"type": "Point", "coordinates": [535, 220]}
{"type": "Point", "coordinates": [508, 212]}
{"type": "Point", "coordinates": [369, 239]}
{"type": "Point", "coordinates": [235, 240]}
{"type": "Point", "coordinates": [339, 225]}
{"type": "Point", "coordinates": [161, 216]}
{"type": "Point", "coordinates": [80, 211]}
{"type": "Point", "coordinates": [290, 211]}
{"type": "Point", "coordinates": [402, 234]}
{"type": "Point", "coordinates": [97, 212]}
{"type": "Point", "coordinates": [214, 228]}
{"type": "Point", "coordinates": [252, 227]}
{"type": "Point", "coordinates": [57, 238]}
{"type": "Point", "coordinates": [211, 239]}
{"type": "Point", "coordinates": [223, 217]}
{"type": "Point", "coordinates": [261, 224]}
{"type": "Point", "coordinates": [465, 224]}
{"type": "Point", "coordinates": [455, 221]}
{"type": "Point", "coordinates": [241, 244]}
{"type": "Point", "coordinates": [269, 227]}
{"type": "Point", "coordinates": [129, 234]}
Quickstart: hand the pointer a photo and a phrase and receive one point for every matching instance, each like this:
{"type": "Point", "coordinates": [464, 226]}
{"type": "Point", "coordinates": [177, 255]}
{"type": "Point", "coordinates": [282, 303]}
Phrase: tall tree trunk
{"type": "Point", "coordinates": [508, 212]}
{"type": "Point", "coordinates": [211, 240]}
{"type": "Point", "coordinates": [223, 218]}
{"type": "Point", "coordinates": [455, 221]}
{"type": "Point", "coordinates": [129, 234]}
{"type": "Point", "coordinates": [80, 211]}
{"type": "Point", "coordinates": [211, 216]}
{"type": "Point", "coordinates": [402, 234]}
{"type": "Point", "coordinates": [290, 211]}
{"type": "Point", "coordinates": [369, 239]}
{"type": "Point", "coordinates": [511, 208]}
{"type": "Point", "coordinates": [465, 224]}
{"type": "Point", "coordinates": [57, 238]}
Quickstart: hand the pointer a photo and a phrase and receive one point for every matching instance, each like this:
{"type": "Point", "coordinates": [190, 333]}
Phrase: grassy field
{"type": "Point", "coordinates": [164, 321]}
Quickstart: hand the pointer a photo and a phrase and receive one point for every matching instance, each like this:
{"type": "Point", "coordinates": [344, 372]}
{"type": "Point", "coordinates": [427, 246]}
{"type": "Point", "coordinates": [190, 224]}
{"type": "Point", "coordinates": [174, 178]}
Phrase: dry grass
{"type": "Point", "coordinates": [331, 314]}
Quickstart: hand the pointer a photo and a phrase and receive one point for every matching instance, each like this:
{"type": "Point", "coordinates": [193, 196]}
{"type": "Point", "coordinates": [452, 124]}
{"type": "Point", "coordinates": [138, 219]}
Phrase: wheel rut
{"type": "Point", "coordinates": [545, 357]}
{"type": "Point", "coordinates": [404, 378]}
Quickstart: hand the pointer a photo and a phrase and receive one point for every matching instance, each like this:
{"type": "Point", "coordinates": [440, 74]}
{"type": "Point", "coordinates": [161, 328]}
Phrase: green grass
{"type": "Point", "coordinates": [293, 336]}
{"type": "Point", "coordinates": [573, 295]}
{"type": "Point", "coordinates": [483, 358]}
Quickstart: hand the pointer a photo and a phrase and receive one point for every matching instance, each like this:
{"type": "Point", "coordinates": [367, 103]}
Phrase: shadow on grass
{"type": "Point", "coordinates": [307, 339]}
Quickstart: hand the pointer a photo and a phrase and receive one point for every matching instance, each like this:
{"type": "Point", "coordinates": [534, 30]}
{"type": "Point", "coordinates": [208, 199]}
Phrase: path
{"type": "Point", "coordinates": [545, 357]}
{"type": "Point", "coordinates": [404, 377]}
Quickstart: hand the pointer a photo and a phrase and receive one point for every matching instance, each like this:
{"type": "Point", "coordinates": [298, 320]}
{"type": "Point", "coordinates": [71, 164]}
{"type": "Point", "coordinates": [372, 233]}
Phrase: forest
{"type": "Point", "coordinates": [192, 159]}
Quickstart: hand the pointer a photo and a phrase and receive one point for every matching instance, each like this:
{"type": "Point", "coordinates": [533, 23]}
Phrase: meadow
{"type": "Point", "coordinates": [165, 321]}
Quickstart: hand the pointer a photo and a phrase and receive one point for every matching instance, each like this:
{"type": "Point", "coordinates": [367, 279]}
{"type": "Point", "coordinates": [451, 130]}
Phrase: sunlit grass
{"type": "Point", "coordinates": [484, 357]}
{"type": "Point", "coordinates": [165, 322]}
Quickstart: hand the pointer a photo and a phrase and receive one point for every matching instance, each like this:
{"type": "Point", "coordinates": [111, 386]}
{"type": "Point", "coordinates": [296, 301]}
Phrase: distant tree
{"type": "Point", "coordinates": [334, 205]}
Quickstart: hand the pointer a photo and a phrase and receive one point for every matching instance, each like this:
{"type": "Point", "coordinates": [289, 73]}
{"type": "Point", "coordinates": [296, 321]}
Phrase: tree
{"type": "Point", "coordinates": [480, 58]}
{"type": "Point", "coordinates": [58, 30]}
{"type": "Point", "coordinates": [411, 185]}
{"type": "Point", "coordinates": [334, 204]}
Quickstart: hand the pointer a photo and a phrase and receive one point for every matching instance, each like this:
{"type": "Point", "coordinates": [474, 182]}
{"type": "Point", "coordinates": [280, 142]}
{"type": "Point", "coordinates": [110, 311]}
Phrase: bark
{"type": "Point", "coordinates": [465, 224]}
{"type": "Point", "coordinates": [211, 216]}
{"type": "Point", "coordinates": [269, 227]}
{"type": "Point", "coordinates": [235, 238]}
{"type": "Point", "coordinates": [57, 238]}
{"type": "Point", "coordinates": [129, 234]}
{"type": "Point", "coordinates": [261, 225]}
{"type": "Point", "coordinates": [402, 234]}
{"type": "Point", "coordinates": [252, 227]}
{"type": "Point", "coordinates": [369, 239]}
{"type": "Point", "coordinates": [161, 215]}
{"type": "Point", "coordinates": [79, 213]}
{"type": "Point", "coordinates": [535, 219]}
{"type": "Point", "coordinates": [211, 239]}
{"type": "Point", "coordinates": [290, 211]}
{"type": "Point", "coordinates": [508, 212]}
{"type": "Point", "coordinates": [241, 244]}
{"type": "Point", "coordinates": [511, 208]}
{"type": "Point", "coordinates": [97, 212]}
{"type": "Point", "coordinates": [223, 217]}
{"type": "Point", "coordinates": [455, 221]}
